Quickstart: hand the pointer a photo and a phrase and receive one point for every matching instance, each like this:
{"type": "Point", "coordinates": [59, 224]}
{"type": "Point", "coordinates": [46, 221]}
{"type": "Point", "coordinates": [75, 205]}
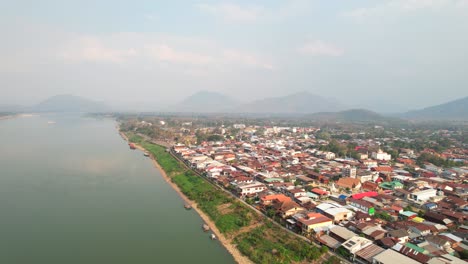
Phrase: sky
{"type": "Point", "coordinates": [385, 55]}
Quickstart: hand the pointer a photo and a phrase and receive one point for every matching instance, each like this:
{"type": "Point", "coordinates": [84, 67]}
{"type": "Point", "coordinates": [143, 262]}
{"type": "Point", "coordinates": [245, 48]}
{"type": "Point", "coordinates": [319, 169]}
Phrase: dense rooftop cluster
{"type": "Point", "coordinates": [373, 196]}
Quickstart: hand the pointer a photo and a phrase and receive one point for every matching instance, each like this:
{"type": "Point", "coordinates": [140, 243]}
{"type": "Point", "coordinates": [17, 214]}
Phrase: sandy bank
{"type": "Point", "coordinates": [227, 243]}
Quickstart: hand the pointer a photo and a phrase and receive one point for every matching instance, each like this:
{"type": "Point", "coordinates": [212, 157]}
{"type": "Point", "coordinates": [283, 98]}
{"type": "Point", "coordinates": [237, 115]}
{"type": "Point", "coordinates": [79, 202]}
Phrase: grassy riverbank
{"type": "Point", "coordinates": [255, 235]}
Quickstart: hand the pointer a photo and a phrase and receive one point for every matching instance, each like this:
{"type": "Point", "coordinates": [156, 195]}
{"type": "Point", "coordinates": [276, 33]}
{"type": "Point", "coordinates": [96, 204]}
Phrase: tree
{"type": "Point", "coordinates": [324, 249]}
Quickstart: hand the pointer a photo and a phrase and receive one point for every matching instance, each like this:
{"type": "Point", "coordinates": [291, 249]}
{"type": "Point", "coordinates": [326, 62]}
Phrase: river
{"type": "Point", "coordinates": [73, 192]}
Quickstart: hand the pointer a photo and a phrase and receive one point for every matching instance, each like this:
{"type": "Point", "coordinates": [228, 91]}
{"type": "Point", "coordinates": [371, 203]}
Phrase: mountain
{"type": "Point", "coordinates": [453, 110]}
{"type": "Point", "coordinates": [302, 102]}
{"type": "Point", "coordinates": [69, 103]}
{"type": "Point", "coordinates": [11, 108]}
{"type": "Point", "coordinates": [352, 115]}
{"type": "Point", "coordinates": [204, 102]}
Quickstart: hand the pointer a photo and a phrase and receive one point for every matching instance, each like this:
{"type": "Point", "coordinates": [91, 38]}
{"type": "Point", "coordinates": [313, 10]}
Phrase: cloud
{"type": "Point", "coordinates": [233, 56]}
{"type": "Point", "coordinates": [166, 53]}
{"type": "Point", "coordinates": [320, 48]}
{"type": "Point", "coordinates": [154, 49]}
{"type": "Point", "coordinates": [232, 12]}
{"type": "Point", "coordinates": [86, 48]}
{"type": "Point", "coordinates": [399, 7]}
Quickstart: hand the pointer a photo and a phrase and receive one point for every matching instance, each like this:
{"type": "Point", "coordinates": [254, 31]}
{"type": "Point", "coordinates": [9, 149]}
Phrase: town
{"type": "Point", "coordinates": [370, 193]}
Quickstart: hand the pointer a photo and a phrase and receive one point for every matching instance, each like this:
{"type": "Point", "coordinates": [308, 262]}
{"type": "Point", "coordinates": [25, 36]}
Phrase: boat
{"type": "Point", "coordinates": [51, 122]}
{"type": "Point", "coordinates": [205, 227]}
{"type": "Point", "coordinates": [132, 146]}
{"type": "Point", "coordinates": [187, 206]}
{"type": "Point", "coordinates": [213, 237]}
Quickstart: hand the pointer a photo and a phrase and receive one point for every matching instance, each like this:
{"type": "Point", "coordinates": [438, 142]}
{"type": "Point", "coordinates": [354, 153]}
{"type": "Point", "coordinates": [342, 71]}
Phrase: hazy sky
{"type": "Point", "coordinates": [391, 55]}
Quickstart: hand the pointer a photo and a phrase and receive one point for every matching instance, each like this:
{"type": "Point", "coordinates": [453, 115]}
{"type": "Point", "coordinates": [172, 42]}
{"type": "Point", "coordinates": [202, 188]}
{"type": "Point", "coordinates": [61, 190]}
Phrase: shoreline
{"type": "Point", "coordinates": [226, 243]}
{"type": "Point", "coordinates": [6, 117]}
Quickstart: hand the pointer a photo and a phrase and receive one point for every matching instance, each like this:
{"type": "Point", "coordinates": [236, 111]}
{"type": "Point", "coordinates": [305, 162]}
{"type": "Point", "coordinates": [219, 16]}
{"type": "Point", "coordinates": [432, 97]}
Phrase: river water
{"type": "Point", "coordinates": [73, 192]}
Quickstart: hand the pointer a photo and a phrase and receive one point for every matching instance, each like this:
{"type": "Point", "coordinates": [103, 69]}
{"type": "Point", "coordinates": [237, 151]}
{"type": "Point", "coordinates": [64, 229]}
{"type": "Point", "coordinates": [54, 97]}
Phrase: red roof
{"type": "Point", "coordinates": [364, 194]}
{"type": "Point", "coordinates": [382, 169]}
{"type": "Point", "coordinates": [319, 191]}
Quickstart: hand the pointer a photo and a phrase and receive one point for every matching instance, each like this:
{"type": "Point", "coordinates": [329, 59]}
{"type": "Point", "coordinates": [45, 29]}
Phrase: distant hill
{"type": "Point", "coordinates": [352, 115]}
{"type": "Point", "coordinates": [302, 102]}
{"type": "Point", "coordinates": [11, 108]}
{"type": "Point", "coordinates": [454, 110]}
{"type": "Point", "coordinates": [69, 103]}
{"type": "Point", "coordinates": [205, 102]}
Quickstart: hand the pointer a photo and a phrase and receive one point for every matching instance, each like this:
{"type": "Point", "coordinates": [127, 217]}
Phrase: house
{"type": "Point", "coordinates": [270, 199]}
{"type": "Point", "coordinates": [355, 244]}
{"type": "Point", "coordinates": [304, 180]}
{"type": "Point", "coordinates": [411, 253]}
{"type": "Point", "coordinates": [438, 218]}
{"type": "Point", "coordinates": [250, 189]}
{"type": "Point", "coordinates": [423, 196]}
{"type": "Point", "coordinates": [334, 211]}
{"type": "Point", "coordinates": [390, 256]}
{"type": "Point", "coordinates": [321, 193]}
{"type": "Point", "coordinates": [349, 183]}
{"type": "Point", "coordinates": [365, 175]}
{"type": "Point", "coordinates": [312, 221]}
{"type": "Point", "coordinates": [366, 254]}
{"type": "Point", "coordinates": [294, 193]}
{"type": "Point", "coordinates": [341, 234]}
{"type": "Point", "coordinates": [440, 242]}
{"type": "Point", "coordinates": [287, 208]}
{"type": "Point", "coordinates": [363, 206]}
{"type": "Point", "coordinates": [400, 234]}
{"type": "Point", "coordinates": [391, 185]}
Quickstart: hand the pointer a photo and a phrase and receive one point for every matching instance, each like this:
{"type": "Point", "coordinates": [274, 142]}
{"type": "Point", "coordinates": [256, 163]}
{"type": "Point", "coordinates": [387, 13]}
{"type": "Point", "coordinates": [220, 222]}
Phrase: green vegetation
{"type": "Point", "coordinates": [436, 160]}
{"type": "Point", "coordinates": [384, 216]}
{"type": "Point", "coordinates": [271, 244]}
{"type": "Point", "coordinates": [332, 260]}
{"type": "Point", "coordinates": [266, 243]}
{"type": "Point", "coordinates": [199, 190]}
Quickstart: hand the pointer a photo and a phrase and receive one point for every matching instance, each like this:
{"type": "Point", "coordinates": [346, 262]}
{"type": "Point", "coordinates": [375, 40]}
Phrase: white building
{"type": "Point", "coordinates": [380, 155]}
{"type": "Point", "coordinates": [250, 188]}
{"type": "Point", "coordinates": [349, 172]}
{"type": "Point", "coordinates": [423, 196]}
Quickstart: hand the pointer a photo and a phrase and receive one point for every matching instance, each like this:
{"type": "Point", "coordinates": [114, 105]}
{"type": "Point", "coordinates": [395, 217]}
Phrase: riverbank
{"type": "Point", "coordinates": [227, 243]}
{"type": "Point", "coordinates": [6, 117]}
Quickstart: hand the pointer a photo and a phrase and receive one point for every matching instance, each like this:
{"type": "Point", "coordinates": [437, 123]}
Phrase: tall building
{"type": "Point", "coordinates": [349, 172]}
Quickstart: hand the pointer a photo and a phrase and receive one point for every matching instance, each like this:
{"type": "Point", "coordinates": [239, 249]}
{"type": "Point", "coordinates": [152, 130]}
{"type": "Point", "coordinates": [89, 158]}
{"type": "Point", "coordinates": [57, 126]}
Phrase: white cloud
{"type": "Point", "coordinates": [166, 53]}
{"type": "Point", "coordinates": [233, 56]}
{"type": "Point", "coordinates": [86, 48]}
{"type": "Point", "coordinates": [137, 48]}
{"type": "Point", "coordinates": [399, 7]}
{"type": "Point", "coordinates": [232, 12]}
{"type": "Point", "coordinates": [253, 13]}
{"type": "Point", "coordinates": [320, 48]}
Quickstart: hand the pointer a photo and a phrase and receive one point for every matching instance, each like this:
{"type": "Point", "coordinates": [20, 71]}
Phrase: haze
{"type": "Point", "coordinates": [388, 56]}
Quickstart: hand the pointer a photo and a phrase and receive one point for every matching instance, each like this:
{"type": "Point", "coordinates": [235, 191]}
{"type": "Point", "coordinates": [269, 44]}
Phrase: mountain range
{"type": "Point", "coordinates": [304, 104]}
{"type": "Point", "coordinates": [297, 103]}
{"type": "Point", "coordinates": [453, 110]}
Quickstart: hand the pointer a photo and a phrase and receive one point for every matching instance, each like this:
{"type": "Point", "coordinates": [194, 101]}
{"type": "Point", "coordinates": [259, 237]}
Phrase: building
{"type": "Point", "coordinates": [363, 206]}
{"type": "Point", "coordinates": [423, 196]}
{"type": "Point", "coordinates": [250, 189]}
{"type": "Point", "coordinates": [355, 244]}
{"type": "Point", "coordinates": [348, 183]}
{"type": "Point", "coordinates": [390, 256]}
{"type": "Point", "coordinates": [380, 155]}
{"type": "Point", "coordinates": [312, 221]}
{"type": "Point", "coordinates": [349, 172]}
